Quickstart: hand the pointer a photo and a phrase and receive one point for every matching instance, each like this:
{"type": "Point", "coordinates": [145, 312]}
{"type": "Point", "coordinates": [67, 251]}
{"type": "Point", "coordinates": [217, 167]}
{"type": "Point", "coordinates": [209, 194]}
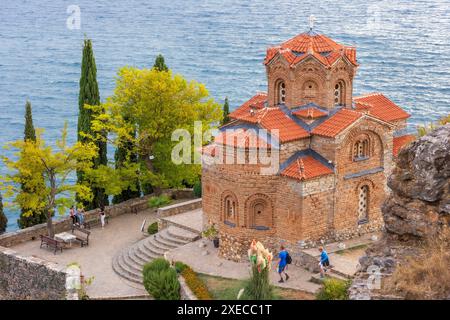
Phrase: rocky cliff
{"type": "Point", "coordinates": [417, 209]}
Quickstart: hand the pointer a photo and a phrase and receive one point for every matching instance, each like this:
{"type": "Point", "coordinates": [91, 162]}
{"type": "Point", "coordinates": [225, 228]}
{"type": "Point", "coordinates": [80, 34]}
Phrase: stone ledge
{"type": "Point", "coordinates": [186, 292]}
{"type": "Point", "coordinates": [179, 208]}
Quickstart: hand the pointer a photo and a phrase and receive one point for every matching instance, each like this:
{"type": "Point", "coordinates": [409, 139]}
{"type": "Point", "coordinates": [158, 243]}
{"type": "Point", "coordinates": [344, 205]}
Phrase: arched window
{"type": "Point", "coordinates": [363, 204]}
{"type": "Point", "coordinates": [361, 149]}
{"type": "Point", "coordinates": [339, 93]}
{"type": "Point", "coordinates": [229, 209]}
{"type": "Point", "coordinates": [281, 91]}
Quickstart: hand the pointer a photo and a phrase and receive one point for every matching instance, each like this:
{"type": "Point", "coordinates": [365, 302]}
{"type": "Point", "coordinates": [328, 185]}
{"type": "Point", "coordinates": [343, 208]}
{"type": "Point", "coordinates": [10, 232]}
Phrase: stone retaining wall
{"type": "Point", "coordinates": [13, 238]}
{"type": "Point", "coordinates": [179, 208]}
{"type": "Point", "coordinates": [30, 278]}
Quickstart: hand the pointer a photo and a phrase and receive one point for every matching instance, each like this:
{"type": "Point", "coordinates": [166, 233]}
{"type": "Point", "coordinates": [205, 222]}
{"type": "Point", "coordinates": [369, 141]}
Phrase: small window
{"type": "Point", "coordinates": [363, 203]}
{"type": "Point", "coordinates": [310, 89]}
{"type": "Point", "coordinates": [281, 92]}
{"type": "Point", "coordinates": [361, 150]}
{"type": "Point", "coordinates": [230, 208]}
{"type": "Point", "coordinates": [339, 93]}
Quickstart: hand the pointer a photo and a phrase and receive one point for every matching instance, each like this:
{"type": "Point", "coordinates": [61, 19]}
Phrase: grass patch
{"type": "Point", "coordinates": [228, 289]}
{"type": "Point", "coordinates": [334, 289]}
{"type": "Point", "coordinates": [159, 201]}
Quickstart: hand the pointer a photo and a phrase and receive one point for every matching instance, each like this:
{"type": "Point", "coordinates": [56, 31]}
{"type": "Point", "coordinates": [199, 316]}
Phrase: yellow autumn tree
{"type": "Point", "coordinates": [146, 107]}
{"type": "Point", "coordinates": [45, 172]}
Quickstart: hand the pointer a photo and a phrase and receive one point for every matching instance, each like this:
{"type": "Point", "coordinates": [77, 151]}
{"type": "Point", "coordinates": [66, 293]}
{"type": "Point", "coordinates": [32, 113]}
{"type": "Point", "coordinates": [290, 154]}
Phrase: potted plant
{"type": "Point", "coordinates": [212, 234]}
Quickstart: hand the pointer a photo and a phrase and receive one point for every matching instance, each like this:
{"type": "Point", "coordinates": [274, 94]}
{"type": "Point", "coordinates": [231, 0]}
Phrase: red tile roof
{"type": "Point", "coordinates": [308, 44]}
{"type": "Point", "coordinates": [305, 168]}
{"type": "Point", "coordinates": [337, 123]}
{"type": "Point", "coordinates": [379, 106]}
{"type": "Point", "coordinates": [241, 138]}
{"type": "Point", "coordinates": [309, 113]}
{"type": "Point", "coordinates": [269, 119]}
{"type": "Point", "coordinates": [256, 102]}
{"type": "Point", "coordinates": [400, 142]}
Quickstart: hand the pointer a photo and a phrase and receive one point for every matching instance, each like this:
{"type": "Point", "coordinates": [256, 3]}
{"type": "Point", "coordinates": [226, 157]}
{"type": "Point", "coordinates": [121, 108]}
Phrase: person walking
{"type": "Point", "coordinates": [324, 261]}
{"type": "Point", "coordinates": [102, 215]}
{"type": "Point", "coordinates": [81, 217]}
{"type": "Point", "coordinates": [283, 262]}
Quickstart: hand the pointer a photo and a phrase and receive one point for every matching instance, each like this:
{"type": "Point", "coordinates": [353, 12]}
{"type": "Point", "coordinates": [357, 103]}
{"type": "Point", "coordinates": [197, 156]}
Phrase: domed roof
{"type": "Point", "coordinates": [324, 49]}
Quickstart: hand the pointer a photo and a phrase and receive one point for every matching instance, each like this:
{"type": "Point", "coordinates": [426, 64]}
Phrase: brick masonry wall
{"type": "Point", "coordinates": [307, 212]}
{"type": "Point", "coordinates": [309, 73]}
{"type": "Point", "coordinates": [30, 278]}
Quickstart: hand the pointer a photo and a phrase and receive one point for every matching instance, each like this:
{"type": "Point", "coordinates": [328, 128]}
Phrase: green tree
{"type": "Point", "coordinates": [226, 112]}
{"type": "Point", "coordinates": [33, 161]}
{"type": "Point", "coordinates": [3, 218]}
{"type": "Point", "coordinates": [37, 217]}
{"type": "Point", "coordinates": [89, 94]}
{"type": "Point", "coordinates": [145, 109]}
{"type": "Point", "coordinates": [122, 156]}
{"type": "Point", "coordinates": [160, 65]}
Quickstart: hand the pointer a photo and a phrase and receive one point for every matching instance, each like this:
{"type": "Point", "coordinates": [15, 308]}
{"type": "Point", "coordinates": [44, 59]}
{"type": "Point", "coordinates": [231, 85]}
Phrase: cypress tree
{"type": "Point", "coordinates": [226, 111]}
{"type": "Point", "coordinates": [3, 219]}
{"type": "Point", "coordinates": [29, 135]}
{"type": "Point", "coordinates": [89, 94]}
{"type": "Point", "coordinates": [160, 65]}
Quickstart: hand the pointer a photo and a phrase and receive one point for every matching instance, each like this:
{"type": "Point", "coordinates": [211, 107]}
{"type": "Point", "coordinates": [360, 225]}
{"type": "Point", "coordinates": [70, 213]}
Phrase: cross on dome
{"type": "Point", "coordinates": [311, 19]}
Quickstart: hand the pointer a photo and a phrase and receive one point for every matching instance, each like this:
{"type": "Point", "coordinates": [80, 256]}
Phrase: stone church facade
{"type": "Point", "coordinates": [334, 151]}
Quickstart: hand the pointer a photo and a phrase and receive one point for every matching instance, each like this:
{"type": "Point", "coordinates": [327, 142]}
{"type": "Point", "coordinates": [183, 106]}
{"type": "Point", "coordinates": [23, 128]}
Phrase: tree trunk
{"type": "Point", "coordinates": [50, 229]}
{"type": "Point", "coordinates": [149, 164]}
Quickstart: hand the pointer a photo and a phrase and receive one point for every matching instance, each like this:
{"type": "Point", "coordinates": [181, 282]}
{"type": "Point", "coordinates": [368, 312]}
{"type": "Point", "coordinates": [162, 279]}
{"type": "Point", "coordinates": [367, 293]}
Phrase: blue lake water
{"type": "Point", "coordinates": [403, 48]}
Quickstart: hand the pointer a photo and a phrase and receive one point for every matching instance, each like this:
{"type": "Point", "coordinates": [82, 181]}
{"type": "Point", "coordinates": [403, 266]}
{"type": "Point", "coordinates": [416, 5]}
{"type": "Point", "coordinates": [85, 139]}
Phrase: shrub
{"type": "Point", "coordinates": [197, 286]}
{"type": "Point", "coordinates": [259, 287]}
{"type": "Point", "coordinates": [160, 280]}
{"type": "Point", "coordinates": [156, 266]}
{"type": "Point", "coordinates": [159, 201]}
{"type": "Point", "coordinates": [334, 289]}
{"type": "Point", "coordinates": [198, 189]}
{"type": "Point", "coordinates": [153, 228]}
{"type": "Point", "coordinates": [180, 266]}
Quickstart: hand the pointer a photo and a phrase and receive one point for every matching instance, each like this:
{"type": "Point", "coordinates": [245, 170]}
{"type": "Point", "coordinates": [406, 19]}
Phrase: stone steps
{"type": "Point", "coordinates": [130, 262]}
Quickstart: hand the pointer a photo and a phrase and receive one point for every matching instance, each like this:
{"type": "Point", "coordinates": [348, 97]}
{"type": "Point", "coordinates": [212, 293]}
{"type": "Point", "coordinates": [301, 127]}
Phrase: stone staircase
{"type": "Point", "coordinates": [129, 262]}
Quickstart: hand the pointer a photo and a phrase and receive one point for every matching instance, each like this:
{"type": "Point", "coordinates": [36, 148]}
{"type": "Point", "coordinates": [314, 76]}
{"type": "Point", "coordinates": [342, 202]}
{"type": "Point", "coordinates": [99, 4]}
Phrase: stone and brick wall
{"type": "Point", "coordinates": [309, 212]}
{"type": "Point", "coordinates": [30, 278]}
{"type": "Point", "coordinates": [310, 82]}
{"type": "Point", "coordinates": [64, 224]}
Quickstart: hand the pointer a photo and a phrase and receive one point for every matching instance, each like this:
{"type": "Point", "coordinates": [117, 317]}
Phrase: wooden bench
{"type": "Point", "coordinates": [81, 234]}
{"type": "Point", "coordinates": [51, 243]}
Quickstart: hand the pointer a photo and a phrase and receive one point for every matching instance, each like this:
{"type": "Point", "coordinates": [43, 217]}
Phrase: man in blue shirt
{"type": "Point", "coordinates": [324, 261]}
{"type": "Point", "coordinates": [282, 263]}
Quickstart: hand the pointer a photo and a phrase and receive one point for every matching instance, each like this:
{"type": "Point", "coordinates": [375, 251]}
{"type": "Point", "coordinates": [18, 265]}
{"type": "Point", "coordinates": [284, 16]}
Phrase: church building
{"type": "Point", "coordinates": [335, 152]}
